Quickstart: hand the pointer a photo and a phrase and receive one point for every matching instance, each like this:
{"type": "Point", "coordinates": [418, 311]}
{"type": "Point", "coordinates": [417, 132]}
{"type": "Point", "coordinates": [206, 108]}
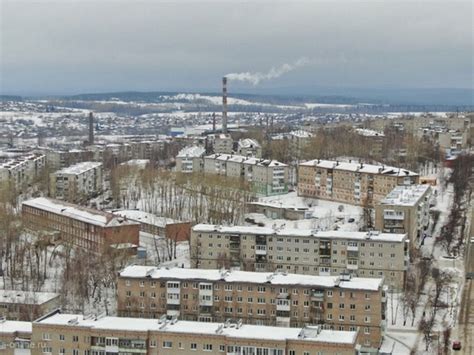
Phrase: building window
{"type": "Point", "coordinates": [167, 344]}
{"type": "Point", "coordinates": [207, 347]}
{"type": "Point", "coordinates": [193, 346]}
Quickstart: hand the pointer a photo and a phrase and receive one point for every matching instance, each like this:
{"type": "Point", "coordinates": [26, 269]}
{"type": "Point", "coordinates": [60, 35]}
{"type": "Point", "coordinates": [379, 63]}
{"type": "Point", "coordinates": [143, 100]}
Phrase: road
{"type": "Point", "coordinates": [466, 316]}
{"type": "Point", "coordinates": [466, 319]}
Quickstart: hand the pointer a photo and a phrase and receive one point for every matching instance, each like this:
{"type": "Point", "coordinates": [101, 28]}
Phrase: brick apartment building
{"type": "Point", "coordinates": [354, 183]}
{"type": "Point", "coordinates": [338, 302]}
{"type": "Point", "coordinates": [83, 227]}
{"type": "Point", "coordinates": [78, 334]}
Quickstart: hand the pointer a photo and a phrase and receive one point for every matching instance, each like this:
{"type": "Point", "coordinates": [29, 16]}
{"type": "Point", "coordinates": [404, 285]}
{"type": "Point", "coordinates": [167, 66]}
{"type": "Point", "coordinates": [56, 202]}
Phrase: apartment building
{"type": "Point", "coordinates": [23, 170]}
{"type": "Point", "coordinates": [190, 160]}
{"type": "Point", "coordinates": [350, 182]}
{"type": "Point", "coordinates": [158, 226]}
{"type": "Point", "coordinates": [453, 142]}
{"type": "Point", "coordinates": [83, 227]}
{"type": "Point", "coordinates": [281, 299]}
{"type": "Point", "coordinates": [78, 334]}
{"type": "Point", "coordinates": [298, 141]}
{"type": "Point", "coordinates": [373, 139]}
{"type": "Point", "coordinates": [267, 177]}
{"type": "Point", "coordinates": [406, 209]}
{"type": "Point", "coordinates": [58, 159]}
{"type": "Point", "coordinates": [15, 337]}
{"type": "Point", "coordinates": [222, 143]}
{"type": "Point", "coordinates": [26, 306]}
{"type": "Point", "coordinates": [364, 254]}
{"type": "Point", "coordinates": [77, 183]}
{"type": "Point", "coordinates": [248, 147]}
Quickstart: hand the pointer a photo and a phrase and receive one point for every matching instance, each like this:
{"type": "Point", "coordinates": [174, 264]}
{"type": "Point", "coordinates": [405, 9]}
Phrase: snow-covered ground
{"type": "Point", "coordinates": [324, 215]}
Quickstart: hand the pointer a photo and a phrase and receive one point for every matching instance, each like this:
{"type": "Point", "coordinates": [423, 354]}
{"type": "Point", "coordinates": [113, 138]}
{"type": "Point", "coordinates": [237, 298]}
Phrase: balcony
{"type": "Point", "coordinates": [352, 266]}
{"type": "Point", "coordinates": [317, 296]}
{"type": "Point", "coordinates": [261, 250]}
{"type": "Point", "coordinates": [204, 309]}
{"type": "Point", "coordinates": [283, 305]}
{"type": "Point", "coordinates": [317, 309]}
{"type": "Point", "coordinates": [205, 300]}
{"type": "Point", "coordinates": [352, 248]}
{"type": "Point", "coordinates": [325, 260]}
{"type": "Point", "coordinates": [173, 298]}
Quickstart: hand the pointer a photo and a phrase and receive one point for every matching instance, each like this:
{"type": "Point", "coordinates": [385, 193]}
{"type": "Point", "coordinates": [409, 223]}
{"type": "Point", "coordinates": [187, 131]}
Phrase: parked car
{"type": "Point", "coordinates": [456, 345]}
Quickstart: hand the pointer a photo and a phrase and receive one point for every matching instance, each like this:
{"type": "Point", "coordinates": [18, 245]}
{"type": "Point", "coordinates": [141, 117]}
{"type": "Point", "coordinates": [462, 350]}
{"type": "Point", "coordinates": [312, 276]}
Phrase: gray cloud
{"type": "Point", "coordinates": [72, 46]}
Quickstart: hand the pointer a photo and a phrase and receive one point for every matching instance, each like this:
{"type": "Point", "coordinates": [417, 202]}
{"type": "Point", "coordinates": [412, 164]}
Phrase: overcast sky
{"type": "Point", "coordinates": [94, 46]}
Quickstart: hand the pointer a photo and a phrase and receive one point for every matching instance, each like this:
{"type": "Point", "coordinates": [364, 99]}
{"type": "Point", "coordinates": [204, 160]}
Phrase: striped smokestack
{"type": "Point", "coordinates": [224, 104]}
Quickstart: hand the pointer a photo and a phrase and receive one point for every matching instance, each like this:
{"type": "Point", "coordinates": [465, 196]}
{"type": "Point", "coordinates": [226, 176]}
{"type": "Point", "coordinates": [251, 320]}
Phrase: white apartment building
{"type": "Point", "coordinates": [190, 159]}
{"type": "Point", "coordinates": [248, 147]}
{"type": "Point", "coordinates": [23, 170]}
{"type": "Point", "coordinates": [77, 182]}
{"type": "Point", "coordinates": [406, 209]}
{"type": "Point", "coordinates": [267, 177]}
{"type": "Point", "coordinates": [223, 144]}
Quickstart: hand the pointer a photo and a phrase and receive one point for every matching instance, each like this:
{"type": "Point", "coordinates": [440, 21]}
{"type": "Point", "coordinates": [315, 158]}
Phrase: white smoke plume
{"type": "Point", "coordinates": [275, 72]}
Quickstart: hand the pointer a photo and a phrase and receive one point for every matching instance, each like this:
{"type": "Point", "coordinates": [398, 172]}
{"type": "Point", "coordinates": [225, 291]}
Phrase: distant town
{"type": "Point", "coordinates": [251, 228]}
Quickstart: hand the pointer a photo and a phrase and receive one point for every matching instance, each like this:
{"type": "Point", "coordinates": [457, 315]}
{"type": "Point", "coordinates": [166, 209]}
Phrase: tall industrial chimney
{"type": "Point", "coordinates": [214, 122]}
{"type": "Point", "coordinates": [91, 128]}
{"type": "Point", "coordinates": [224, 104]}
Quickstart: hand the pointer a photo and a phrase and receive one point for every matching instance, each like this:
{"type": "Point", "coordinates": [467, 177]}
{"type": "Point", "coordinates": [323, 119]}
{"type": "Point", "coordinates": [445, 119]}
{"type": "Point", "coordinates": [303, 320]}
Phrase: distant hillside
{"type": "Point", "coordinates": [10, 98]}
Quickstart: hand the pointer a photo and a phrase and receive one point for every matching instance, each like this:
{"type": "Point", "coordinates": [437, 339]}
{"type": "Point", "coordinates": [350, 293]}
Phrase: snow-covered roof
{"type": "Point", "coordinates": [141, 163]}
{"type": "Point", "coordinates": [359, 167]}
{"type": "Point", "coordinates": [11, 327]}
{"type": "Point", "coordinates": [248, 143]}
{"type": "Point", "coordinates": [288, 232]}
{"type": "Point", "coordinates": [405, 195]}
{"type": "Point", "coordinates": [13, 163]}
{"type": "Point", "coordinates": [145, 217]}
{"type": "Point", "coordinates": [369, 132]}
{"type": "Point", "coordinates": [275, 278]}
{"type": "Point", "coordinates": [191, 152]}
{"type": "Point", "coordinates": [79, 168]}
{"type": "Point", "coordinates": [84, 214]}
{"type": "Point", "coordinates": [241, 331]}
{"type": "Point", "coordinates": [26, 297]}
{"type": "Point", "coordinates": [246, 160]}
{"type": "Point", "coordinates": [279, 205]}
{"type": "Point", "coordinates": [301, 134]}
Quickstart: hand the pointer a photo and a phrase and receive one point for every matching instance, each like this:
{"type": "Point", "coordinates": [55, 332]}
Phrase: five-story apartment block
{"type": "Point", "coordinates": [267, 177]}
{"type": "Point", "coordinates": [406, 209]}
{"type": "Point", "coordinates": [353, 183]}
{"type": "Point", "coordinates": [95, 335]}
{"type": "Point", "coordinates": [337, 302]}
{"type": "Point", "coordinates": [78, 182]}
{"type": "Point", "coordinates": [365, 254]}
